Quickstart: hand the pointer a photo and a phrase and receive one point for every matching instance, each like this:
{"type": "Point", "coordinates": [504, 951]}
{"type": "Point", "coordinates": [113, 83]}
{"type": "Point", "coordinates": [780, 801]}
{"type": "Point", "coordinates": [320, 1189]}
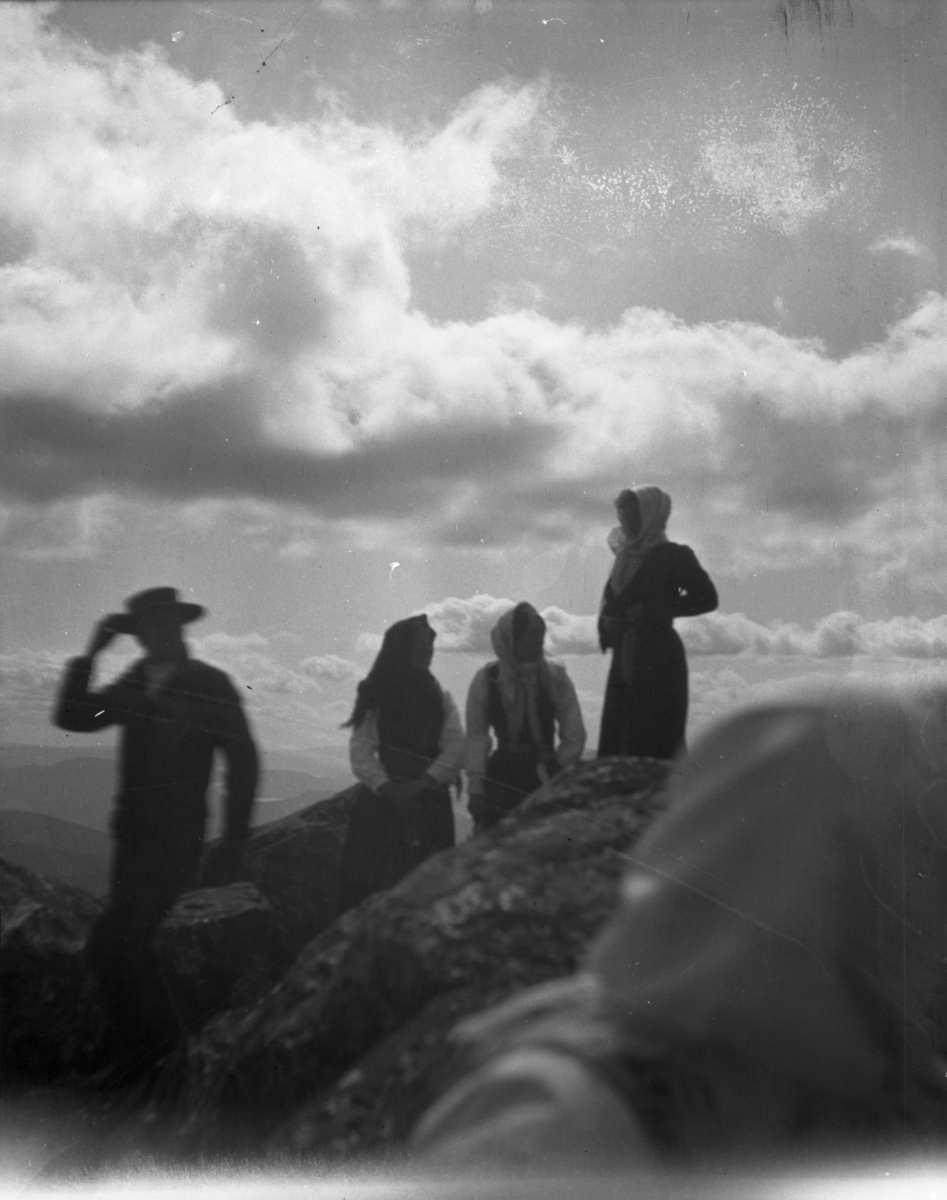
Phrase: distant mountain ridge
{"type": "Point", "coordinates": [77, 788]}
{"type": "Point", "coordinates": [55, 806]}
{"type": "Point", "coordinates": [80, 787]}
{"type": "Point", "coordinates": [63, 850]}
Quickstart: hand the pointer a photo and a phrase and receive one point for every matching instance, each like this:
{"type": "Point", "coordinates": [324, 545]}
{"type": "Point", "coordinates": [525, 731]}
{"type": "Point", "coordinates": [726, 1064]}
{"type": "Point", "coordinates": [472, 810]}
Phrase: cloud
{"type": "Point", "coordinates": [839, 635]}
{"type": "Point", "coordinates": [292, 704]}
{"type": "Point", "coordinates": [258, 664]}
{"type": "Point", "coordinates": [801, 161]}
{"type": "Point", "coordinates": [65, 530]}
{"type": "Point", "coordinates": [464, 625]}
{"type": "Point", "coordinates": [899, 244]}
{"type": "Point", "coordinates": [330, 667]}
{"type": "Point", "coordinates": [198, 307]}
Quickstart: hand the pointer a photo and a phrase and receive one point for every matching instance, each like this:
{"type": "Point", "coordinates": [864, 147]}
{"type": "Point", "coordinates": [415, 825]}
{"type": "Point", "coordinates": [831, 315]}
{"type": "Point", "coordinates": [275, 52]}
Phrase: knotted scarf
{"type": "Point", "coordinates": [519, 682]}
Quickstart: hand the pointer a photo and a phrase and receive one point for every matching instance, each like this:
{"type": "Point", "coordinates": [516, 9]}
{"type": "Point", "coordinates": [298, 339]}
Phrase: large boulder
{"type": "Point", "coordinates": [52, 1015]}
{"type": "Point", "coordinates": [350, 1039]}
{"type": "Point", "coordinates": [216, 951]}
{"type": "Point", "coordinates": [294, 862]}
{"type": "Point", "coordinates": [219, 948]}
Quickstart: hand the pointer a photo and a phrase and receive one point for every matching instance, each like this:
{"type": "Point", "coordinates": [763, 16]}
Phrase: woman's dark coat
{"type": "Point", "coordinates": [646, 694]}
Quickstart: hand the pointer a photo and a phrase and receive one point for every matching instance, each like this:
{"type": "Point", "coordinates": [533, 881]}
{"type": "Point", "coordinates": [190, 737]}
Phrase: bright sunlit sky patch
{"type": "Point", "coordinates": [291, 292]}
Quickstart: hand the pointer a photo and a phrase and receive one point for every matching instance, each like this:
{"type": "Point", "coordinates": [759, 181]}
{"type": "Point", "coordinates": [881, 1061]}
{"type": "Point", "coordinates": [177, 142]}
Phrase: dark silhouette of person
{"type": "Point", "coordinates": [175, 713]}
{"type": "Point", "coordinates": [406, 748]}
{"type": "Point", "coordinates": [652, 582]}
{"type": "Point", "coordinates": [525, 700]}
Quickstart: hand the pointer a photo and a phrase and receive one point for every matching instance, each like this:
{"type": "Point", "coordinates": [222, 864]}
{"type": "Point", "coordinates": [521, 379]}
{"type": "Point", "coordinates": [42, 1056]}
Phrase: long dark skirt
{"type": "Point", "coordinates": [647, 718]}
{"type": "Point", "coordinates": [511, 776]}
{"type": "Point", "coordinates": [382, 845]}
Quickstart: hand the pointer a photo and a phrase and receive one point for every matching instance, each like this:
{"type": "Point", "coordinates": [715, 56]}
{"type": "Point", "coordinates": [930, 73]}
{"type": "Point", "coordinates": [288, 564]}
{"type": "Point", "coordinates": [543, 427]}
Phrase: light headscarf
{"type": "Point", "coordinates": [520, 682]}
{"type": "Point", "coordinates": [790, 905]}
{"type": "Point", "coordinates": [655, 507]}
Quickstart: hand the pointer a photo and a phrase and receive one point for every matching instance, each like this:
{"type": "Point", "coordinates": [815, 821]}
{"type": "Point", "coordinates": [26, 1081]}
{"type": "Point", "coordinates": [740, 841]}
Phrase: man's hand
{"type": "Point", "coordinates": [102, 635]}
{"type": "Point", "coordinates": [477, 807]}
{"type": "Point", "coordinates": [224, 865]}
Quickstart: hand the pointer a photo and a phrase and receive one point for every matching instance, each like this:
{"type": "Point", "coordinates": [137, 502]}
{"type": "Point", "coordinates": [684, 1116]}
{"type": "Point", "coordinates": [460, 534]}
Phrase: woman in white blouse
{"type": "Point", "coordinates": [524, 700]}
{"type": "Point", "coordinates": [406, 748]}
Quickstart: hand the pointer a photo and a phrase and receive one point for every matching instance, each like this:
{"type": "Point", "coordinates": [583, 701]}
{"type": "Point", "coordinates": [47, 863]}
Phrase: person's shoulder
{"type": "Point", "coordinates": [674, 550]}
{"type": "Point", "coordinates": [206, 678]}
{"type": "Point", "coordinates": [558, 674]}
{"type": "Point", "coordinates": [482, 678]}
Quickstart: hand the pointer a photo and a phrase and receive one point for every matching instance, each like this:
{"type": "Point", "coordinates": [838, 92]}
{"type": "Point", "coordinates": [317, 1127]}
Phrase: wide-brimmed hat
{"type": "Point", "coordinates": [153, 601]}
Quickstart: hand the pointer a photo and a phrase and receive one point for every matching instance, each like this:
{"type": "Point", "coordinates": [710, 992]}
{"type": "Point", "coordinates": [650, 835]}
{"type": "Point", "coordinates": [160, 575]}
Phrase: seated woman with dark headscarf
{"type": "Point", "coordinates": [773, 983]}
{"type": "Point", "coordinates": [652, 581]}
{"type": "Point", "coordinates": [523, 699]}
{"type": "Point", "coordinates": [406, 748]}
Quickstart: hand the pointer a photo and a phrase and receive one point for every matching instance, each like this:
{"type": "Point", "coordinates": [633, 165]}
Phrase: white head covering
{"type": "Point", "coordinates": [655, 507]}
{"type": "Point", "coordinates": [519, 681]}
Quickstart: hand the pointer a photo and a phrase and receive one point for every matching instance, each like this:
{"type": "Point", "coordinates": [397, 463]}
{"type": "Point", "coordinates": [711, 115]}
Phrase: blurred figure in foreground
{"type": "Point", "coordinates": [523, 699]}
{"type": "Point", "coordinates": [406, 748]}
{"type": "Point", "coordinates": [773, 982]}
{"type": "Point", "coordinates": [175, 713]}
{"type": "Point", "coordinates": [652, 581]}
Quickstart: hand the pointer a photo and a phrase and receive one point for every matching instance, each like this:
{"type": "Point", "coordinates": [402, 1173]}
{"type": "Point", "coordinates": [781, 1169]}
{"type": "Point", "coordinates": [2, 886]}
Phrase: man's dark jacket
{"type": "Point", "coordinates": [167, 748]}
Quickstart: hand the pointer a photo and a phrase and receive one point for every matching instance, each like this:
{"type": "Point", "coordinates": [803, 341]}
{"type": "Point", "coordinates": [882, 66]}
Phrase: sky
{"type": "Point", "coordinates": [329, 313]}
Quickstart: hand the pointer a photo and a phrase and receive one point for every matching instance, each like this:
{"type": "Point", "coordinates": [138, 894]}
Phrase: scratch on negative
{"type": "Point", "coordinates": [270, 55]}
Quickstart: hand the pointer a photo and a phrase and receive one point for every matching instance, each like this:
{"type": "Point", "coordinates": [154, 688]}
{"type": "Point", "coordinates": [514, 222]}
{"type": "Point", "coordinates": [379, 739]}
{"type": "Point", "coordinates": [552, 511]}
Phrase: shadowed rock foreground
{"type": "Point", "coordinates": [52, 1016]}
{"type": "Point", "coordinates": [339, 1058]}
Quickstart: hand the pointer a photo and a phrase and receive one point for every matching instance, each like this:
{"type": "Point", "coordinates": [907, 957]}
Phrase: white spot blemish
{"type": "Point", "coordinates": [638, 887]}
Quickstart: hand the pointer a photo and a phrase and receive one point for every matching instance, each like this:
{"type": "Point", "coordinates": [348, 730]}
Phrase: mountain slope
{"type": "Point", "coordinates": [58, 849]}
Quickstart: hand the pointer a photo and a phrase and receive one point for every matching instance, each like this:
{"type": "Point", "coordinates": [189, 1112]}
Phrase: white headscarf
{"type": "Point", "coordinates": [519, 682]}
{"type": "Point", "coordinates": [655, 507]}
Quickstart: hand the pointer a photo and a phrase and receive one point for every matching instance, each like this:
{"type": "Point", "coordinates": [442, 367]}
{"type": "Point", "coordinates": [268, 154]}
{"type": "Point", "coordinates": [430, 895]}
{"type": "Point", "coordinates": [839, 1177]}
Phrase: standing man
{"type": "Point", "coordinates": [175, 712]}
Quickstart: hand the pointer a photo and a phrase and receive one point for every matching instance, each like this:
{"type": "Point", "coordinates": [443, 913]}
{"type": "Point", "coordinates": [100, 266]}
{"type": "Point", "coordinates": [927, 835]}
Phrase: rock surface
{"type": "Point", "coordinates": [220, 947]}
{"type": "Point", "coordinates": [294, 863]}
{"type": "Point", "coordinates": [216, 951]}
{"type": "Point", "coordinates": [52, 1017]}
{"type": "Point", "coordinates": [341, 1055]}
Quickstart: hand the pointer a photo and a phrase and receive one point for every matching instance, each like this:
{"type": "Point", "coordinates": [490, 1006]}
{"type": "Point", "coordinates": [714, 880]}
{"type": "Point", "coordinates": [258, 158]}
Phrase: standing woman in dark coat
{"type": "Point", "coordinates": [652, 582]}
{"type": "Point", "coordinates": [406, 748]}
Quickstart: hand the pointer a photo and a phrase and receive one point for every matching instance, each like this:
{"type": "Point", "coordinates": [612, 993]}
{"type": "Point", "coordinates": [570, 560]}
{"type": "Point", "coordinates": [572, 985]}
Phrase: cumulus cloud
{"type": "Point", "coordinates": [258, 663]}
{"type": "Point", "coordinates": [842, 634]}
{"type": "Point", "coordinates": [293, 704]}
{"type": "Point", "coordinates": [196, 306]}
{"type": "Point", "coordinates": [899, 244]}
{"type": "Point", "coordinates": [330, 667]}
{"type": "Point", "coordinates": [464, 625]}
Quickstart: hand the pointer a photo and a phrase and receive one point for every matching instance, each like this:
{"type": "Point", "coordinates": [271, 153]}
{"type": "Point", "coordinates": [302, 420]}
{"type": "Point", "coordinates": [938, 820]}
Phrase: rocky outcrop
{"type": "Point", "coordinates": [294, 863]}
{"type": "Point", "coordinates": [343, 1051]}
{"type": "Point", "coordinates": [219, 948]}
{"type": "Point", "coordinates": [52, 1017]}
{"type": "Point", "coordinates": [216, 951]}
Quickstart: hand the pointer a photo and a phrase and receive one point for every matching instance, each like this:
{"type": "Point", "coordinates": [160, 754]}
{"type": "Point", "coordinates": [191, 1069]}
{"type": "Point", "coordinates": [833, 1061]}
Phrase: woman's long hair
{"type": "Point", "coordinates": [394, 688]}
